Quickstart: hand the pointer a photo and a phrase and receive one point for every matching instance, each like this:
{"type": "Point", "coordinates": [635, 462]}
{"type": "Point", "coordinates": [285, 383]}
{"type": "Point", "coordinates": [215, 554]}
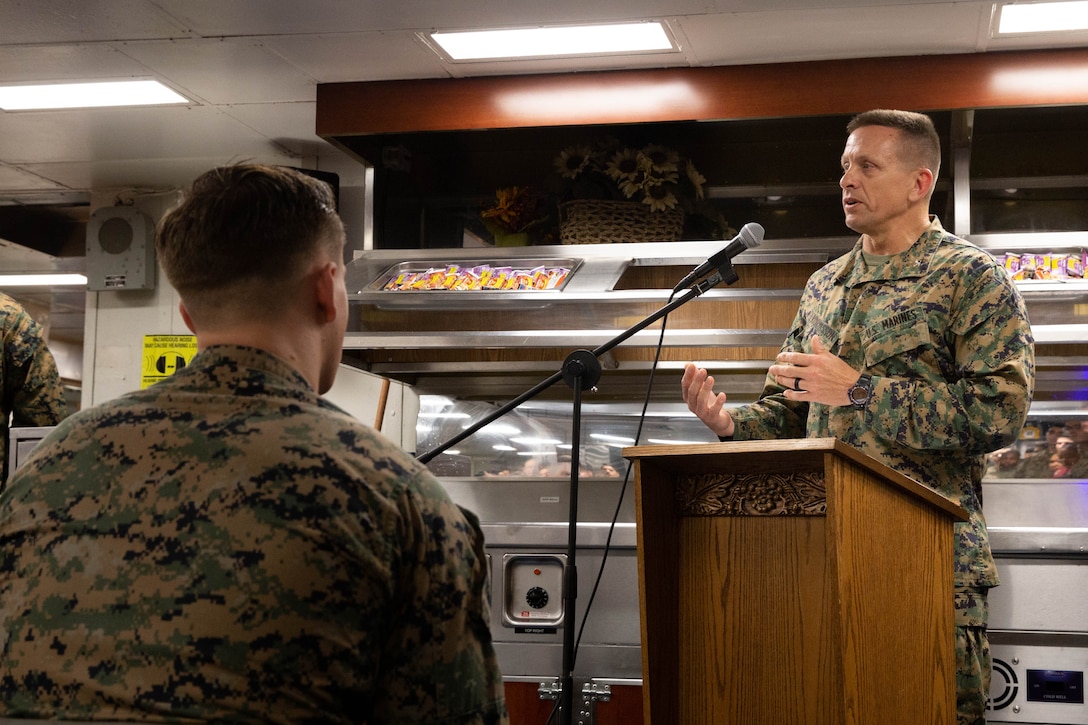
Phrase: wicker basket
{"type": "Point", "coordinates": [591, 221]}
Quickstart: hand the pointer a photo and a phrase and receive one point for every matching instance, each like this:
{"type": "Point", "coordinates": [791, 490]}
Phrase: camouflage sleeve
{"type": "Point", "coordinates": [981, 404]}
{"type": "Point", "coordinates": [773, 415]}
{"type": "Point", "coordinates": [446, 589]}
{"type": "Point", "coordinates": [31, 381]}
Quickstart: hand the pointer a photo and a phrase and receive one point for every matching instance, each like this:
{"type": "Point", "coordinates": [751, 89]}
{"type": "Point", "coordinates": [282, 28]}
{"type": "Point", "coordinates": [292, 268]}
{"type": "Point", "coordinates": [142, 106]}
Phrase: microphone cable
{"type": "Point", "coordinates": [619, 504]}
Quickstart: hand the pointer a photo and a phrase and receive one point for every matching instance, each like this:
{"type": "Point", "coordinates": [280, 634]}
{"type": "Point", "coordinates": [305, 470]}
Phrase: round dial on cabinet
{"type": "Point", "coordinates": [536, 597]}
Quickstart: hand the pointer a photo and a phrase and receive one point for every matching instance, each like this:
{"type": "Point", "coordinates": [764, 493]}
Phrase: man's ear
{"type": "Point", "coordinates": [923, 184]}
{"type": "Point", "coordinates": [324, 285]}
{"type": "Point", "coordinates": [185, 317]}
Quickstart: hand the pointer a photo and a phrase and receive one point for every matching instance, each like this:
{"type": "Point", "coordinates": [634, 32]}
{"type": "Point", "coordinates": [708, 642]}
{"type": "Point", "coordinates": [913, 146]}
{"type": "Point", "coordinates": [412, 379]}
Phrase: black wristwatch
{"type": "Point", "coordinates": [860, 391]}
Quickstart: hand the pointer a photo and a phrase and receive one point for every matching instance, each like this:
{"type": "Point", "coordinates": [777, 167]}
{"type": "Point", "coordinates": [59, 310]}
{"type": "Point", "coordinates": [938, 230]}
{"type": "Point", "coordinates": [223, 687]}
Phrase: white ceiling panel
{"type": "Point", "coordinates": [212, 18]}
{"type": "Point", "coordinates": [387, 55]}
{"type": "Point", "coordinates": [290, 125]}
{"type": "Point", "coordinates": [81, 62]}
{"type": "Point", "coordinates": [17, 179]}
{"type": "Point", "coordinates": [162, 174]}
{"type": "Point", "coordinates": [225, 71]}
{"type": "Point", "coordinates": [776, 37]}
{"type": "Point", "coordinates": [281, 17]}
{"type": "Point", "coordinates": [83, 21]}
{"type": "Point", "coordinates": [125, 134]}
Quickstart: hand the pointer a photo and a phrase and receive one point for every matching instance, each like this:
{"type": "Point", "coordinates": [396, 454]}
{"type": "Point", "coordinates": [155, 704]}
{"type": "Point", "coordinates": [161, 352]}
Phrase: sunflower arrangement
{"type": "Point", "coordinates": [517, 210]}
{"type": "Point", "coordinates": [654, 175]}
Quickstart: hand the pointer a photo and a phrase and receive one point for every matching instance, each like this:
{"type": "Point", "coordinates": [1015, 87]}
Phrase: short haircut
{"type": "Point", "coordinates": [245, 223]}
{"type": "Point", "coordinates": [923, 147]}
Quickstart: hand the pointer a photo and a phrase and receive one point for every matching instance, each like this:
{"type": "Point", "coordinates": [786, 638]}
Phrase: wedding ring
{"type": "Point", "coordinates": [797, 385]}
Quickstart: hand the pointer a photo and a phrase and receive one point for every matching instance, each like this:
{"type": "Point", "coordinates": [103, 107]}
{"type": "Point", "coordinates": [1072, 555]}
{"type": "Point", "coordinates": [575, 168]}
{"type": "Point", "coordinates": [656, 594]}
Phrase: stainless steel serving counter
{"type": "Point", "coordinates": [525, 525]}
{"type": "Point", "coordinates": [1038, 616]}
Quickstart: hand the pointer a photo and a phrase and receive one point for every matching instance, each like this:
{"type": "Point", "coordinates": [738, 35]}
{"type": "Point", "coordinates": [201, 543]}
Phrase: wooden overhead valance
{"type": "Point", "coordinates": [931, 82]}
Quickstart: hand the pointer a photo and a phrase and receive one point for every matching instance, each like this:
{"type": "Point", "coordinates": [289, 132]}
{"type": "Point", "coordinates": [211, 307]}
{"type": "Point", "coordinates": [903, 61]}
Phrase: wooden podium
{"type": "Point", "coordinates": [793, 582]}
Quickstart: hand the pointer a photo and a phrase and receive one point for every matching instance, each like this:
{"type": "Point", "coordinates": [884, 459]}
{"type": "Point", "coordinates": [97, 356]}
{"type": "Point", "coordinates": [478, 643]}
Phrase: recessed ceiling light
{"type": "Point", "coordinates": [1044, 17]}
{"type": "Point", "coordinates": [87, 95]}
{"type": "Point", "coordinates": [567, 40]}
{"type": "Point", "coordinates": [41, 280]}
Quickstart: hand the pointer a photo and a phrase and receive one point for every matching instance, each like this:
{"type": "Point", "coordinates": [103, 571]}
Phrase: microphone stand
{"type": "Point", "coordinates": [581, 371]}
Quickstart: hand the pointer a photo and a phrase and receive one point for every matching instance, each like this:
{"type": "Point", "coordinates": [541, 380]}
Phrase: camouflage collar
{"type": "Point", "coordinates": [240, 357]}
{"type": "Point", "coordinates": [912, 263]}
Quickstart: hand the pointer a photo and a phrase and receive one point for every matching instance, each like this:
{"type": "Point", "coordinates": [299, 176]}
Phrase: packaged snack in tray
{"type": "Point", "coordinates": [1068, 266]}
{"type": "Point", "coordinates": [555, 279]}
{"type": "Point", "coordinates": [467, 280]}
{"type": "Point", "coordinates": [439, 280]}
{"type": "Point", "coordinates": [521, 279]}
{"type": "Point", "coordinates": [498, 278]}
{"type": "Point", "coordinates": [426, 279]}
{"type": "Point", "coordinates": [1034, 266]}
{"type": "Point", "coordinates": [397, 281]}
{"type": "Point", "coordinates": [1043, 269]}
{"type": "Point", "coordinates": [453, 276]}
{"type": "Point", "coordinates": [1012, 264]}
{"type": "Point", "coordinates": [539, 277]}
{"type": "Point", "coordinates": [1060, 265]}
{"type": "Point", "coordinates": [1076, 266]}
{"type": "Point", "coordinates": [483, 275]}
{"type": "Point", "coordinates": [413, 280]}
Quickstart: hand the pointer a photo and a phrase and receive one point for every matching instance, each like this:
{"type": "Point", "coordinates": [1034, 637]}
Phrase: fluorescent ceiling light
{"type": "Point", "coordinates": [668, 442]}
{"type": "Point", "coordinates": [41, 280]}
{"type": "Point", "coordinates": [1043, 17]}
{"type": "Point", "coordinates": [553, 41]}
{"type": "Point", "coordinates": [87, 95]}
{"type": "Point", "coordinates": [608, 437]}
{"type": "Point", "coordinates": [529, 441]}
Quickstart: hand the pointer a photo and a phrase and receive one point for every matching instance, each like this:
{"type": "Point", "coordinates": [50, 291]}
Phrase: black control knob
{"type": "Point", "coordinates": [536, 597]}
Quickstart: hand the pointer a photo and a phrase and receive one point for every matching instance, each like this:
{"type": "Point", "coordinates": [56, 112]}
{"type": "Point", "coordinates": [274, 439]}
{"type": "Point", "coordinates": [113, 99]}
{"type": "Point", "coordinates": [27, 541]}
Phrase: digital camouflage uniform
{"type": "Point", "coordinates": [227, 546]}
{"type": "Point", "coordinates": [30, 389]}
{"type": "Point", "coordinates": [943, 331]}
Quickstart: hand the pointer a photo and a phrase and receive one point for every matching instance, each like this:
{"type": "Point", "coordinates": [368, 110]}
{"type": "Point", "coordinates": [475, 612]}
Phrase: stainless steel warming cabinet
{"type": "Point", "coordinates": [1039, 614]}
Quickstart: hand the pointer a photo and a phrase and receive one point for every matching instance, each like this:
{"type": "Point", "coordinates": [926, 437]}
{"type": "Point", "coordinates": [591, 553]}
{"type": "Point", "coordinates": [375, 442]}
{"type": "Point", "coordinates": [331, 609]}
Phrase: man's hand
{"type": "Point", "coordinates": [698, 391]}
{"type": "Point", "coordinates": [816, 377]}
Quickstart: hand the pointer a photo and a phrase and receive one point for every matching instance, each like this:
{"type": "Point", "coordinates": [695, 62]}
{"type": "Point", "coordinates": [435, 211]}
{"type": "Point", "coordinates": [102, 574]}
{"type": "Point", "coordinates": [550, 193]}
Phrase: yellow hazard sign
{"type": "Point", "coordinates": [164, 355]}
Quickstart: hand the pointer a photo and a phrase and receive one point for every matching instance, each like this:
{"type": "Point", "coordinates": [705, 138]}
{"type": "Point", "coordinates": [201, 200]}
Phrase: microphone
{"type": "Point", "coordinates": [750, 236]}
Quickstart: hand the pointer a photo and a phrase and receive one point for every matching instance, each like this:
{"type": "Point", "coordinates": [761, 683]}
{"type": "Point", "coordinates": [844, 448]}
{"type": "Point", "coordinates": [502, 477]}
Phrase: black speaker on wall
{"type": "Point", "coordinates": [120, 249]}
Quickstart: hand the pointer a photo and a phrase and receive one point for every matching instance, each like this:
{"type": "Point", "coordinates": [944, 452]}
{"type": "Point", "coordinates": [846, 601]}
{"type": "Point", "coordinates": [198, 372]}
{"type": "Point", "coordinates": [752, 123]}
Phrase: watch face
{"type": "Point", "coordinates": [859, 392]}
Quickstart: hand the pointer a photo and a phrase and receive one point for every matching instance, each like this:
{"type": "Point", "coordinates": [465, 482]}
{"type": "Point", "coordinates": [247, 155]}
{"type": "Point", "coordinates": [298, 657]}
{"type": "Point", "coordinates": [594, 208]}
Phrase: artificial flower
{"type": "Point", "coordinates": [652, 174]}
{"type": "Point", "coordinates": [517, 209]}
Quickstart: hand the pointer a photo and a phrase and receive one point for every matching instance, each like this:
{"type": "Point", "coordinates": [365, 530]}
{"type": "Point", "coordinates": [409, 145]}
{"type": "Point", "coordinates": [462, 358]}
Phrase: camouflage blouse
{"type": "Point", "coordinates": [227, 546]}
{"type": "Point", "coordinates": [30, 389]}
{"type": "Point", "coordinates": [944, 333]}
